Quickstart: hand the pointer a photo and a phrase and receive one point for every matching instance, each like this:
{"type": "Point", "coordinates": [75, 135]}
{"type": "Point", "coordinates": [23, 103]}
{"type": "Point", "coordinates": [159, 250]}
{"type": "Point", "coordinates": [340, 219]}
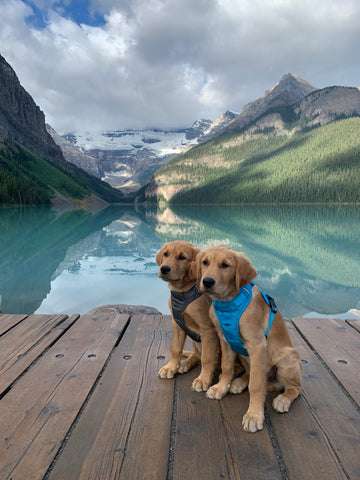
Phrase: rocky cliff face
{"type": "Point", "coordinates": [329, 104]}
{"type": "Point", "coordinates": [74, 155]}
{"type": "Point", "coordinates": [21, 120]}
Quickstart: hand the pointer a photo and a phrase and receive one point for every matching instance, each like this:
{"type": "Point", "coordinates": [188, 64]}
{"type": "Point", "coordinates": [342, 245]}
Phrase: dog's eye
{"type": "Point", "coordinates": [166, 254]}
{"type": "Point", "coordinates": [205, 262]}
{"type": "Point", "coordinates": [181, 257]}
{"type": "Point", "coordinates": [224, 265]}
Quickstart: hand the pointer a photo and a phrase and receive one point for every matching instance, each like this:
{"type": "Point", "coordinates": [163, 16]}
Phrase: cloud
{"type": "Point", "coordinates": [160, 63]}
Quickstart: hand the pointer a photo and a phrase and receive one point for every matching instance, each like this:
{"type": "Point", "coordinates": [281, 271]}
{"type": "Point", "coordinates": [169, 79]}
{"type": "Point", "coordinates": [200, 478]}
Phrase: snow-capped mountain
{"type": "Point", "coordinates": [128, 158]}
{"type": "Point", "coordinates": [160, 142]}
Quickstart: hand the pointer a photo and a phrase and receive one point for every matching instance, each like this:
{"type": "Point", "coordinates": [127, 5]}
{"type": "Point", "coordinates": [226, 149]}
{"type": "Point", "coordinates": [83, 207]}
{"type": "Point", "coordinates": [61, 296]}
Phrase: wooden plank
{"type": "Point", "coordinates": [124, 430]}
{"type": "Point", "coordinates": [252, 455]}
{"type": "Point", "coordinates": [199, 434]}
{"type": "Point", "coordinates": [331, 408]}
{"type": "Point", "coordinates": [38, 411]}
{"type": "Point", "coordinates": [22, 345]}
{"type": "Point", "coordinates": [321, 431]}
{"type": "Point", "coordinates": [211, 442]}
{"type": "Point", "coordinates": [9, 321]}
{"type": "Point", "coordinates": [338, 345]}
{"type": "Point", "coordinates": [355, 323]}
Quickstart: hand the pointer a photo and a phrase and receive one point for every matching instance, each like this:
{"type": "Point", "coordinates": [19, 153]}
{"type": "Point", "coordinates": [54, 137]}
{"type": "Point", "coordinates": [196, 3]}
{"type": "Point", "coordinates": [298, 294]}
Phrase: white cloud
{"type": "Point", "coordinates": [170, 62]}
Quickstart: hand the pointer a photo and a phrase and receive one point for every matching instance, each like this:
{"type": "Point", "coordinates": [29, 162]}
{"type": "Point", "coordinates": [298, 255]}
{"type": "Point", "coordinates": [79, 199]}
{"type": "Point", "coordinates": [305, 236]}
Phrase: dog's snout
{"type": "Point", "coordinates": [165, 269]}
{"type": "Point", "coordinates": [208, 282]}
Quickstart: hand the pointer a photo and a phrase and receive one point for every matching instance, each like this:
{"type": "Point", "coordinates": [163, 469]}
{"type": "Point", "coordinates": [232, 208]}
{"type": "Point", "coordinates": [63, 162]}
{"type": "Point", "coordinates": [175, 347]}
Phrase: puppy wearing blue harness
{"type": "Point", "coordinates": [248, 323]}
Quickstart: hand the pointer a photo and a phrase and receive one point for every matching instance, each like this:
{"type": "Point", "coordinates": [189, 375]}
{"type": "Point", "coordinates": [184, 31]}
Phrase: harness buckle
{"type": "Point", "coordinates": [272, 304]}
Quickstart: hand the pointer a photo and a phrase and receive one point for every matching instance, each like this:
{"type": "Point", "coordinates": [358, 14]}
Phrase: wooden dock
{"type": "Point", "coordinates": [80, 399]}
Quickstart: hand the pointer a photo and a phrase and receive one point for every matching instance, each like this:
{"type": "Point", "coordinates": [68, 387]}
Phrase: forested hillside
{"type": "Point", "coordinates": [318, 165]}
{"type": "Point", "coordinates": [26, 179]}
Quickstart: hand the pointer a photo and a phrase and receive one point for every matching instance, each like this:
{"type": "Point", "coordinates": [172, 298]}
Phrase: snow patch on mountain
{"type": "Point", "coordinates": [161, 142]}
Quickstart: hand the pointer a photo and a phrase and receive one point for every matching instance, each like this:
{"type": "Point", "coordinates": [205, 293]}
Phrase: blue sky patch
{"type": "Point", "coordinates": [78, 11]}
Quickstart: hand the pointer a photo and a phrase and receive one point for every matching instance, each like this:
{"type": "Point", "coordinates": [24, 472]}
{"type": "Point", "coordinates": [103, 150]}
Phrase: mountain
{"type": "Point", "coordinates": [21, 120]}
{"type": "Point", "coordinates": [32, 166]}
{"type": "Point", "coordinates": [127, 159]}
{"type": "Point", "coordinates": [272, 152]}
{"type": "Point", "coordinates": [288, 91]}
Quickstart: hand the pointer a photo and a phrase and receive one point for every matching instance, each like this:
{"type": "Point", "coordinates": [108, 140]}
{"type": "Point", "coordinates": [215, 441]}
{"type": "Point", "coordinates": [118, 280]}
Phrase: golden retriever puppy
{"type": "Point", "coordinates": [190, 312]}
{"type": "Point", "coordinates": [258, 334]}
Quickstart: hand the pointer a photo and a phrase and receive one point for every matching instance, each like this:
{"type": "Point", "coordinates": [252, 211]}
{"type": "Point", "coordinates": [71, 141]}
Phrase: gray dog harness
{"type": "Point", "coordinates": [179, 301]}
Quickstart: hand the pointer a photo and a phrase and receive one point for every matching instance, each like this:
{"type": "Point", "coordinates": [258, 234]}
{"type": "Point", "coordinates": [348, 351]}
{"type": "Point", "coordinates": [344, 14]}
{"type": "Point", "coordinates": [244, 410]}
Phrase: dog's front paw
{"type": "Point", "coordinates": [200, 385]}
{"type": "Point", "coordinates": [217, 392]}
{"type": "Point", "coordinates": [281, 403]}
{"type": "Point", "coordinates": [252, 422]}
{"type": "Point", "coordinates": [167, 371]}
{"type": "Point", "coordinates": [239, 384]}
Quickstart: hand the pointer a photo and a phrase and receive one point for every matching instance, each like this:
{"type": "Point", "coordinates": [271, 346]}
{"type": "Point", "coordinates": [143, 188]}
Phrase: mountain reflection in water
{"type": "Point", "coordinates": [307, 257]}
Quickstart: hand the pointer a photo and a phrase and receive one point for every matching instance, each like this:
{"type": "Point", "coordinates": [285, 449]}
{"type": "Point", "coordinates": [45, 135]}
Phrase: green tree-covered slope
{"type": "Point", "coordinates": [26, 179]}
{"type": "Point", "coordinates": [320, 165]}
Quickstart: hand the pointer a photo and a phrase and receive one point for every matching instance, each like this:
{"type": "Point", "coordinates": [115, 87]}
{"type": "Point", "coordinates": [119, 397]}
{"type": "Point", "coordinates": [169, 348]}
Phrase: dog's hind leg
{"type": "Point", "coordinates": [289, 375]}
{"type": "Point", "coordinates": [240, 383]}
{"type": "Point", "coordinates": [192, 358]}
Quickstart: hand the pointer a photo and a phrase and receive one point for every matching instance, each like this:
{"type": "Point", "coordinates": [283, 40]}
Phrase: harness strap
{"type": "Point", "coordinates": [179, 301]}
{"type": "Point", "coordinates": [273, 309]}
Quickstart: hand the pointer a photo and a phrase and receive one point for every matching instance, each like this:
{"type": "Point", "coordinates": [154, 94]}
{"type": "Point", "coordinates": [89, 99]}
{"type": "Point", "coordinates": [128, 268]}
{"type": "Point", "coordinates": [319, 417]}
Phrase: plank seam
{"type": "Point", "coordinates": [222, 416]}
{"type": "Point", "coordinates": [173, 428]}
{"type": "Point", "coordinates": [122, 333]}
{"type": "Point", "coordinates": [275, 445]}
{"type": "Point", "coordinates": [13, 326]}
{"type": "Point", "coordinates": [327, 368]}
{"type": "Point", "coordinates": [83, 406]}
{"type": "Point", "coordinates": [323, 430]}
{"type": "Point", "coordinates": [354, 327]}
{"type": "Point", "coordinates": [47, 333]}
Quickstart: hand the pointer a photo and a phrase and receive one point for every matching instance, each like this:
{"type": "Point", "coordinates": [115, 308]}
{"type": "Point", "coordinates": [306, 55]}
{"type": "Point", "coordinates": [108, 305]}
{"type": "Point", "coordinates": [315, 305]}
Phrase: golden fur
{"type": "Point", "coordinates": [229, 271]}
{"type": "Point", "coordinates": [175, 260]}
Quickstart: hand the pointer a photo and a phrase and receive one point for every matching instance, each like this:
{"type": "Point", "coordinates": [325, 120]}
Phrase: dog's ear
{"type": "Point", "coordinates": [159, 256]}
{"type": "Point", "coordinates": [195, 268]}
{"type": "Point", "coordinates": [195, 252]}
{"type": "Point", "coordinates": [245, 272]}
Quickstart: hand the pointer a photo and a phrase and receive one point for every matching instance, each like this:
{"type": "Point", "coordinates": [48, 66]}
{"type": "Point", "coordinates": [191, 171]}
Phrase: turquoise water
{"type": "Point", "coordinates": [307, 257]}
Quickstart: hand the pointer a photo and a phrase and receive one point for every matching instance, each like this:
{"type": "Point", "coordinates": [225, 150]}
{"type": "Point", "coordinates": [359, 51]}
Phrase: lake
{"type": "Point", "coordinates": [307, 257]}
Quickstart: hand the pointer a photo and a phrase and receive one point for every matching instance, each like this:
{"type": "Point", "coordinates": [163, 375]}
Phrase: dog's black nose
{"type": "Point", "coordinates": [208, 282]}
{"type": "Point", "coordinates": [165, 269]}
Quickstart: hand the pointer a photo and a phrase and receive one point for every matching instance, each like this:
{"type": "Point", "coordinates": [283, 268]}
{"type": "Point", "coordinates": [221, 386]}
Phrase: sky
{"type": "Point", "coordinates": [94, 65]}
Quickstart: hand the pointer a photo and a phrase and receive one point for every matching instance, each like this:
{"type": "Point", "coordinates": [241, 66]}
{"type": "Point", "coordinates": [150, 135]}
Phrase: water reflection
{"type": "Point", "coordinates": [308, 258]}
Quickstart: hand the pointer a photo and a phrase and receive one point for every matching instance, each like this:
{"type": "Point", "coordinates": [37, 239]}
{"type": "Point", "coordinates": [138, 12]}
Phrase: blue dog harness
{"type": "Point", "coordinates": [229, 313]}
